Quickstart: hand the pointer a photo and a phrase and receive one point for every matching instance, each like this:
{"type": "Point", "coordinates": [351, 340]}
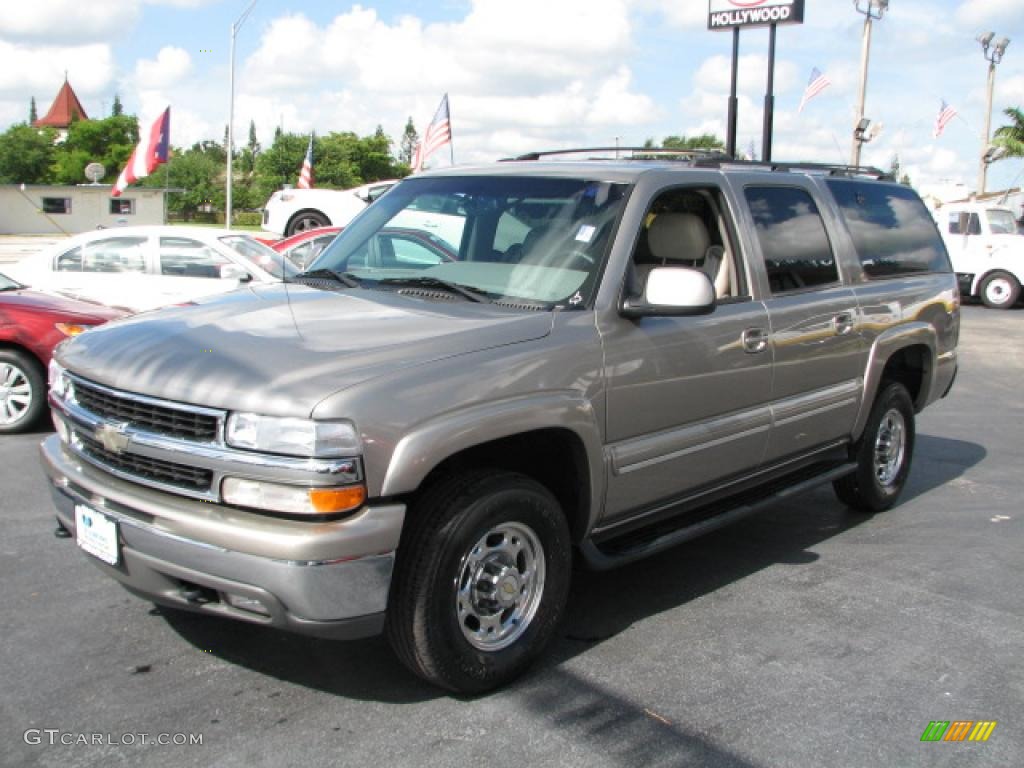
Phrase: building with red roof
{"type": "Point", "coordinates": [65, 108]}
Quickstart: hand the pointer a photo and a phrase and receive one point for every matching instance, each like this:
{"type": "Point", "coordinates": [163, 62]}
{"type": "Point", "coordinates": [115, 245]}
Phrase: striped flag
{"type": "Point", "coordinates": [439, 133]}
{"type": "Point", "coordinates": [815, 85]}
{"type": "Point", "coordinates": [946, 113]}
{"type": "Point", "coordinates": [306, 174]}
{"type": "Point", "coordinates": [150, 152]}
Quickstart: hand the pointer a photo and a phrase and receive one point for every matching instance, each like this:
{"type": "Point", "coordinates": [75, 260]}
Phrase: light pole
{"type": "Point", "coordinates": [993, 54]}
{"type": "Point", "coordinates": [872, 9]}
{"type": "Point", "coordinates": [231, 111]}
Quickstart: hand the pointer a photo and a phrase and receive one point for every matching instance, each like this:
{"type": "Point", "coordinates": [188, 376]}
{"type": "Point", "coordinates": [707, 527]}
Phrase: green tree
{"type": "Point", "coordinates": [117, 109]}
{"type": "Point", "coordinates": [1011, 137]}
{"type": "Point", "coordinates": [32, 114]}
{"type": "Point", "coordinates": [26, 155]}
{"type": "Point", "coordinates": [407, 146]}
{"type": "Point", "coordinates": [700, 141]}
{"type": "Point", "coordinates": [109, 141]}
{"type": "Point", "coordinates": [198, 171]}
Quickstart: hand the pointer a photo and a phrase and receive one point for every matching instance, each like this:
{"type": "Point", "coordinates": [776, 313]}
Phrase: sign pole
{"type": "Point", "coordinates": [730, 141]}
{"type": "Point", "coordinates": [769, 100]}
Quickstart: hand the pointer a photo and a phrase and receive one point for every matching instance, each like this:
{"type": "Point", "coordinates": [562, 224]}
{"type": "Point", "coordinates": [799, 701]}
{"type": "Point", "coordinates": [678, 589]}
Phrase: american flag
{"type": "Point", "coordinates": [151, 151]}
{"type": "Point", "coordinates": [306, 174]}
{"type": "Point", "coordinates": [946, 113]}
{"type": "Point", "coordinates": [815, 85]}
{"type": "Point", "coordinates": [439, 133]}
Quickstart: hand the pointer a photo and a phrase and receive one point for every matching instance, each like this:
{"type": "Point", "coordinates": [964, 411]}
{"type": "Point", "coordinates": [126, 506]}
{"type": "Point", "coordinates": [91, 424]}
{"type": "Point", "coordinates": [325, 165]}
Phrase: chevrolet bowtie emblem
{"type": "Point", "coordinates": [112, 437]}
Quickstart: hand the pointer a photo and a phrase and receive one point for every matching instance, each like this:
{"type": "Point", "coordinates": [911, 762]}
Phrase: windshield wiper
{"type": "Point", "coordinates": [345, 278]}
{"type": "Point", "coordinates": [436, 282]}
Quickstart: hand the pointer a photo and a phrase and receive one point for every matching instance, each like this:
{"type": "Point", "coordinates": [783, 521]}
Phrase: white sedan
{"type": "Point", "coordinates": [141, 268]}
{"type": "Point", "coordinates": [295, 210]}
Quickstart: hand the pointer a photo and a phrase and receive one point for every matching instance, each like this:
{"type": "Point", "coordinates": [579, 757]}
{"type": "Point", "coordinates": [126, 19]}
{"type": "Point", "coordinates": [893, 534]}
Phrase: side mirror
{"type": "Point", "coordinates": [234, 272]}
{"type": "Point", "coordinates": [673, 292]}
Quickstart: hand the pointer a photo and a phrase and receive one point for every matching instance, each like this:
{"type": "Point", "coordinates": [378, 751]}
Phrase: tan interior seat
{"type": "Point", "coordinates": [681, 239]}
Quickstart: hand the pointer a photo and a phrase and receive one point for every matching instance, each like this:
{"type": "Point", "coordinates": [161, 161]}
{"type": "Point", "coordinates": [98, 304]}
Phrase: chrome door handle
{"type": "Point", "coordinates": [754, 340]}
{"type": "Point", "coordinates": [843, 323]}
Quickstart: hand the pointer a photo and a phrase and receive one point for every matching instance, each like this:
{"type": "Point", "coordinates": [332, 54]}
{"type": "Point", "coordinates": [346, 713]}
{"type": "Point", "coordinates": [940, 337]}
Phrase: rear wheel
{"type": "Point", "coordinates": [305, 220]}
{"type": "Point", "coordinates": [1000, 290]}
{"type": "Point", "coordinates": [481, 580]}
{"type": "Point", "coordinates": [882, 454]}
{"type": "Point", "coordinates": [22, 391]}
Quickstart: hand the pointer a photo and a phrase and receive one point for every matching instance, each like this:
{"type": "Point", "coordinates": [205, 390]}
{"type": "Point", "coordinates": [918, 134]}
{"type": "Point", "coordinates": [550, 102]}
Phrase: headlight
{"type": "Point", "coordinates": [292, 499]}
{"type": "Point", "coordinates": [292, 437]}
{"type": "Point", "coordinates": [71, 329]}
{"type": "Point", "coordinates": [60, 383]}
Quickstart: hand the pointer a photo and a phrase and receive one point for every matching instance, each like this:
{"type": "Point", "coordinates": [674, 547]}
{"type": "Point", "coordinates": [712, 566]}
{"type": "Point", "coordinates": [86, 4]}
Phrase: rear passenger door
{"type": "Point", "coordinates": [819, 353]}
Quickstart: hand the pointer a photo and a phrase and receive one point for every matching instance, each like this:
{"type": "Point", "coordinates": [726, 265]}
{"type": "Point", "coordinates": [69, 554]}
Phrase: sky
{"type": "Point", "coordinates": [527, 74]}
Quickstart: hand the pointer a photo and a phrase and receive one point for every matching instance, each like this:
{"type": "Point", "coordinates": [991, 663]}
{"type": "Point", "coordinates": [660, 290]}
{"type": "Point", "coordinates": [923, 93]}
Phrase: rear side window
{"type": "Point", "coordinates": [891, 229]}
{"type": "Point", "coordinates": [796, 249]}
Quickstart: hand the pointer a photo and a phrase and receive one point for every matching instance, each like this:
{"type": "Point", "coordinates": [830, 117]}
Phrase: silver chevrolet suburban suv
{"type": "Point", "coordinates": [563, 359]}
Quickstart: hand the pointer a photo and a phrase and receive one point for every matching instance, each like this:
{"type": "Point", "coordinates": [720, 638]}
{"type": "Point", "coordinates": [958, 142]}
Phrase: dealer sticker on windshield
{"type": "Point", "coordinates": [96, 533]}
{"type": "Point", "coordinates": [586, 233]}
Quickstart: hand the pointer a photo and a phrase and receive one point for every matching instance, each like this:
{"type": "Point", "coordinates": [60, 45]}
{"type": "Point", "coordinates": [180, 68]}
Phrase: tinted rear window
{"type": "Point", "coordinates": [891, 229]}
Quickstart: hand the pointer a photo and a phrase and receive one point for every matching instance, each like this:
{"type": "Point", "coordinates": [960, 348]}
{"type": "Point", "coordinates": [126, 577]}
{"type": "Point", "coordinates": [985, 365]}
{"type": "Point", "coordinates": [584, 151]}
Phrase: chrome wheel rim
{"type": "Point", "coordinates": [499, 586]}
{"type": "Point", "coordinates": [305, 223]}
{"type": "Point", "coordinates": [890, 447]}
{"type": "Point", "coordinates": [998, 290]}
{"type": "Point", "coordinates": [15, 394]}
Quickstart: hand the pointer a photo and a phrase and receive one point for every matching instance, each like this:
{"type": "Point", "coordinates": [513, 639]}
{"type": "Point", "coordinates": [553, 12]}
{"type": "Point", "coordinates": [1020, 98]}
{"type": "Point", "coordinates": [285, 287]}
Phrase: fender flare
{"type": "Point", "coordinates": [888, 343]}
{"type": "Point", "coordinates": [431, 442]}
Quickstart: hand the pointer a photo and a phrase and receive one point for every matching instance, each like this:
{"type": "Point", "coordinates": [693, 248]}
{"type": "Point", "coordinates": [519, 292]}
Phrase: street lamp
{"type": "Point", "coordinates": [872, 10]}
{"type": "Point", "coordinates": [994, 52]}
{"type": "Point", "coordinates": [231, 111]}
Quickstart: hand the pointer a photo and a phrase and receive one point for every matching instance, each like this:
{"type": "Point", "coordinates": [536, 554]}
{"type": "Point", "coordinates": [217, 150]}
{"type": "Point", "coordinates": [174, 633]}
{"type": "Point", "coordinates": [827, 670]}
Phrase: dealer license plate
{"type": "Point", "coordinates": [96, 533]}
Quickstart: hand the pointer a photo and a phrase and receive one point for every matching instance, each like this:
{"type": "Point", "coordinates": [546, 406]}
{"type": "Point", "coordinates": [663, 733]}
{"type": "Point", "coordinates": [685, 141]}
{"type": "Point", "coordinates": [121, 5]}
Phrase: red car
{"type": "Point", "coordinates": [302, 247]}
{"type": "Point", "coordinates": [31, 325]}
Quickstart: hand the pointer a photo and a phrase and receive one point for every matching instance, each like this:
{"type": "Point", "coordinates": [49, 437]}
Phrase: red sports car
{"type": "Point", "coordinates": [31, 325]}
{"type": "Point", "coordinates": [302, 247]}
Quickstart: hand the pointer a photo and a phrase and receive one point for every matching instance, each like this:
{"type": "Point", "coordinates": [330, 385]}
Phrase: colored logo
{"type": "Point", "coordinates": [959, 730]}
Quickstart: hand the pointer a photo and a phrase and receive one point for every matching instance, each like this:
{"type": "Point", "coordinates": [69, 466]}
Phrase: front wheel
{"type": "Point", "coordinates": [1000, 290]}
{"type": "Point", "coordinates": [481, 580]}
{"type": "Point", "coordinates": [22, 391]}
{"type": "Point", "coordinates": [304, 221]}
{"type": "Point", "coordinates": [882, 454]}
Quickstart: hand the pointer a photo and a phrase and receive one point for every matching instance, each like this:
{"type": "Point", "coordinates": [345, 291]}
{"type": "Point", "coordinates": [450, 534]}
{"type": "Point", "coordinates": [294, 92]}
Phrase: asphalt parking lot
{"type": "Point", "coordinates": [807, 636]}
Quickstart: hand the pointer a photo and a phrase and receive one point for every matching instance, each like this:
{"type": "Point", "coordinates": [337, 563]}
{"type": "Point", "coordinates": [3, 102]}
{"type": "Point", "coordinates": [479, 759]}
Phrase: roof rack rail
{"type": "Point", "coordinates": [625, 153]}
{"type": "Point", "coordinates": [711, 158]}
{"type": "Point", "coordinates": [831, 169]}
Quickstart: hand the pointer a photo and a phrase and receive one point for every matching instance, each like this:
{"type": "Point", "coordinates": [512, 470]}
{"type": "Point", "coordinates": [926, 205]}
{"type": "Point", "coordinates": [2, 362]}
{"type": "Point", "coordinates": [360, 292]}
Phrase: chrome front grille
{"type": "Point", "coordinates": [143, 467]}
{"type": "Point", "coordinates": [145, 414]}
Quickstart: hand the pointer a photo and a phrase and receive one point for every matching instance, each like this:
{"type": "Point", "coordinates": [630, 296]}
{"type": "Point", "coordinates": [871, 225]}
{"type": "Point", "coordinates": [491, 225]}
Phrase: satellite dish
{"type": "Point", "coordinates": [94, 172]}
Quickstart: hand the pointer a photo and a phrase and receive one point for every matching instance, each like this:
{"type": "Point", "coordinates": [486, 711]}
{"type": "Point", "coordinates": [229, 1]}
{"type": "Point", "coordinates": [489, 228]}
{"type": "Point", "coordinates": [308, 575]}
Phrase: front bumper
{"type": "Point", "coordinates": [328, 579]}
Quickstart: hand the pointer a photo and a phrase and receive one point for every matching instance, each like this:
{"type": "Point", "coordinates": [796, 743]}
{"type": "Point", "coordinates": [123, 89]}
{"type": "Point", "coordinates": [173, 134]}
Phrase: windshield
{"type": "Point", "coordinates": [511, 239]}
{"type": "Point", "coordinates": [1001, 222]}
{"type": "Point", "coordinates": [6, 284]}
{"type": "Point", "coordinates": [256, 253]}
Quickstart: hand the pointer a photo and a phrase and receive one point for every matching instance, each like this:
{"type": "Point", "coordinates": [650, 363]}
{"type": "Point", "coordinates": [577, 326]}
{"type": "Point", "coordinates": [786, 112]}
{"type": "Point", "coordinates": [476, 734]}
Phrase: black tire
{"type": "Point", "coordinates": [876, 484]}
{"type": "Point", "coordinates": [304, 220]}
{"type": "Point", "coordinates": [432, 586]}
{"type": "Point", "coordinates": [21, 375]}
{"type": "Point", "coordinates": [1000, 290]}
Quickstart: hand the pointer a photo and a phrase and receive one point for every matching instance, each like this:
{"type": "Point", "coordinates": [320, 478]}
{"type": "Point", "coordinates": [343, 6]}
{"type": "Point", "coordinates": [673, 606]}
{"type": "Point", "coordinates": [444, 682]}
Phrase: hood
{"type": "Point", "coordinates": [282, 349]}
{"type": "Point", "coordinates": [60, 305]}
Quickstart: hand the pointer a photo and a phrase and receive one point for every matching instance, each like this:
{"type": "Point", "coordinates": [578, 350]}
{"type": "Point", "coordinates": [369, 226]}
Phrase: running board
{"type": "Point", "coordinates": [607, 555]}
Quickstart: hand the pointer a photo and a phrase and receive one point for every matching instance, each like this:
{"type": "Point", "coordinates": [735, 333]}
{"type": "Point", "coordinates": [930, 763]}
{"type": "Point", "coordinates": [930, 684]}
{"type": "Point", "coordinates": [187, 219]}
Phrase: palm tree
{"type": "Point", "coordinates": [1011, 137]}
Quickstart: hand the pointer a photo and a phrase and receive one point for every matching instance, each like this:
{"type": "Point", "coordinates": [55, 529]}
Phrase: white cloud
{"type": "Point", "coordinates": [67, 20]}
{"type": "Point", "coordinates": [985, 11]}
{"type": "Point", "coordinates": [40, 70]}
{"type": "Point", "coordinates": [169, 67]}
{"type": "Point", "coordinates": [560, 80]}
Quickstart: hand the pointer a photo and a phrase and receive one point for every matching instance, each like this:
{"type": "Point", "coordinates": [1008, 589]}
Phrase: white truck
{"type": "Point", "coordinates": [986, 247]}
